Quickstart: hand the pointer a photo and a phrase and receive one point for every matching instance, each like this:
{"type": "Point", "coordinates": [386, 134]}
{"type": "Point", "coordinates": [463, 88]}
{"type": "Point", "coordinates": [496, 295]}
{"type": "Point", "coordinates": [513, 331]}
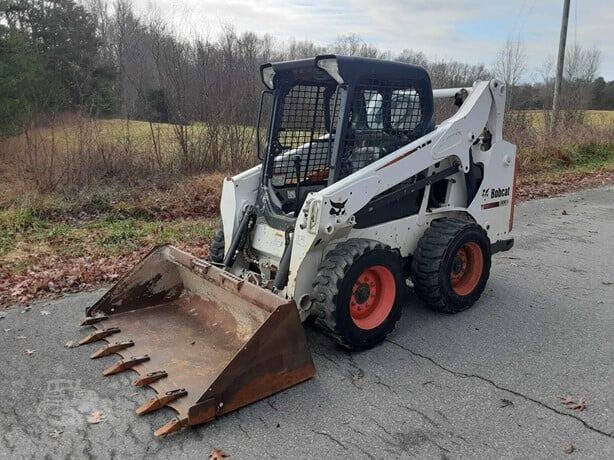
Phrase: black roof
{"type": "Point", "coordinates": [352, 69]}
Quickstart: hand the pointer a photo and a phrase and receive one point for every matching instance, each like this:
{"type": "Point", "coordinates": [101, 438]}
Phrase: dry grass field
{"type": "Point", "coordinates": [82, 201]}
{"type": "Point", "coordinates": [592, 117]}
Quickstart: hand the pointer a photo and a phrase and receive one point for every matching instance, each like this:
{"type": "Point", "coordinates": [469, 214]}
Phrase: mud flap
{"type": "Point", "coordinates": [206, 341]}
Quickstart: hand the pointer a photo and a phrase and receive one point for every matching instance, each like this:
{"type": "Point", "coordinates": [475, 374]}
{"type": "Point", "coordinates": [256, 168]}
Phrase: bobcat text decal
{"type": "Point", "coordinates": [499, 192]}
{"type": "Point", "coordinates": [489, 194]}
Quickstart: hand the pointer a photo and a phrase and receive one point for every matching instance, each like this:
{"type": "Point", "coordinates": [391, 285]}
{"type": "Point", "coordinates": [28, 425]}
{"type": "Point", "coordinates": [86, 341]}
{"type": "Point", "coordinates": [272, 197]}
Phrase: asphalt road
{"type": "Point", "coordinates": [483, 383]}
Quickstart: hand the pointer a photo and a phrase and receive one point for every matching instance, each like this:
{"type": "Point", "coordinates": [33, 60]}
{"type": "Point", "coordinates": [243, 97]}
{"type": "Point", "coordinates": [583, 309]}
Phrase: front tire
{"type": "Point", "coordinates": [451, 265]}
{"type": "Point", "coordinates": [358, 293]}
{"type": "Point", "coordinates": [216, 248]}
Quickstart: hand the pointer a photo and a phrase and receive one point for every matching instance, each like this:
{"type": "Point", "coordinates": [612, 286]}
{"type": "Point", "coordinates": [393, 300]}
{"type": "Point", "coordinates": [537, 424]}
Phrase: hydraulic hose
{"type": "Point", "coordinates": [281, 277]}
{"type": "Point", "coordinates": [239, 237]}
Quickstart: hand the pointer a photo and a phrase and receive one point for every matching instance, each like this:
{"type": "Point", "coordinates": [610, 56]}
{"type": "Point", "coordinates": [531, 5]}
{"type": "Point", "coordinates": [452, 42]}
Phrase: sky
{"type": "Point", "coordinates": [466, 30]}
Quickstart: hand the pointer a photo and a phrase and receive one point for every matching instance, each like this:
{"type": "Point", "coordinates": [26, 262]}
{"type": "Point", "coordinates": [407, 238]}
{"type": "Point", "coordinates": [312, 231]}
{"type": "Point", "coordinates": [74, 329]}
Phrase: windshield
{"type": "Point", "coordinates": [405, 110]}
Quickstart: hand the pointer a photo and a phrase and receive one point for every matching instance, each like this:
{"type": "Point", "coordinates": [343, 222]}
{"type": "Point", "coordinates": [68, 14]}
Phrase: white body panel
{"type": "Point", "coordinates": [318, 229]}
{"type": "Point", "coordinates": [237, 192]}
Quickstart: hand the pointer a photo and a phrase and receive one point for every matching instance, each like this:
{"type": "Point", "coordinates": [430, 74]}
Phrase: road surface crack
{"type": "Point", "coordinates": [499, 387]}
{"type": "Point", "coordinates": [326, 357]}
{"type": "Point", "coordinates": [331, 437]}
{"type": "Point", "coordinates": [425, 417]}
{"type": "Point", "coordinates": [243, 430]}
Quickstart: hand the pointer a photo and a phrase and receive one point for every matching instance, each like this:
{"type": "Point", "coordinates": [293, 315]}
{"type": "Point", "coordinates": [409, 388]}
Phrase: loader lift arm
{"type": "Point", "coordinates": [453, 138]}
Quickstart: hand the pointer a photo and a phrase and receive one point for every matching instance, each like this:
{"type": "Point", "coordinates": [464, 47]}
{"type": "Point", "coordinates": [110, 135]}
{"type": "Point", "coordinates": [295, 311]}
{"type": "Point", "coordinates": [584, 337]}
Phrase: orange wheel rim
{"type": "Point", "coordinates": [467, 268]}
{"type": "Point", "coordinates": [372, 297]}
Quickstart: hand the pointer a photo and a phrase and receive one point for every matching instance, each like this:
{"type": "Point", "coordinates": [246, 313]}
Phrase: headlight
{"type": "Point", "coordinates": [331, 66]}
{"type": "Point", "coordinates": [267, 73]}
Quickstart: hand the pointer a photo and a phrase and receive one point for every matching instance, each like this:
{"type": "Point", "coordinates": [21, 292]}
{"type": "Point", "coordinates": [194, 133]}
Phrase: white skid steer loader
{"type": "Point", "coordinates": [357, 193]}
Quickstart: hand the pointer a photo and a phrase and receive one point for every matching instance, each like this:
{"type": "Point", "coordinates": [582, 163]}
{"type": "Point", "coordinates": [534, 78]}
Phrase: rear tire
{"type": "Point", "coordinates": [451, 265]}
{"type": "Point", "coordinates": [358, 293]}
{"type": "Point", "coordinates": [216, 249]}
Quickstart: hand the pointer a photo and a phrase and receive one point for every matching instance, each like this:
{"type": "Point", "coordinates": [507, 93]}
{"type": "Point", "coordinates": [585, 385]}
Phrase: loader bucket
{"type": "Point", "coordinates": [206, 341]}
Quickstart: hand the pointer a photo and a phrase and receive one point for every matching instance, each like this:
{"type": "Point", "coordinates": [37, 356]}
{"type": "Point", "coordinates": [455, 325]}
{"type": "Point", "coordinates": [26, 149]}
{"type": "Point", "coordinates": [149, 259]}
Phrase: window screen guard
{"type": "Point", "coordinates": [306, 127]}
{"type": "Point", "coordinates": [383, 118]}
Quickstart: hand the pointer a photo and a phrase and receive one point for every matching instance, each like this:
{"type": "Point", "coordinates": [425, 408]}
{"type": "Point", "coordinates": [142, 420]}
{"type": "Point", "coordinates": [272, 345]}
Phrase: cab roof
{"type": "Point", "coordinates": [342, 69]}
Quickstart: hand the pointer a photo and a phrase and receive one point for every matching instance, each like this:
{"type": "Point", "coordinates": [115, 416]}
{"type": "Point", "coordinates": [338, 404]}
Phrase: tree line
{"type": "Point", "coordinates": [100, 59]}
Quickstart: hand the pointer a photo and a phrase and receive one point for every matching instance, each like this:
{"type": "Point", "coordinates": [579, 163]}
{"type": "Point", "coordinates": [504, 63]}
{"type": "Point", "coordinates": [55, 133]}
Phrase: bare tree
{"type": "Point", "coordinates": [581, 67]}
{"type": "Point", "coordinates": [510, 65]}
{"type": "Point", "coordinates": [353, 45]}
{"type": "Point", "coordinates": [410, 56]}
{"type": "Point", "coordinates": [453, 73]}
{"type": "Point", "coordinates": [582, 64]}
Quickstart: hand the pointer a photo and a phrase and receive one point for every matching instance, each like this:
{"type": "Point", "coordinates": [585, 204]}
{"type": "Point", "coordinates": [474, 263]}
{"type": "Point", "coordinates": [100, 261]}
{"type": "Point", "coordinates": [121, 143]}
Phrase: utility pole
{"type": "Point", "coordinates": [559, 66]}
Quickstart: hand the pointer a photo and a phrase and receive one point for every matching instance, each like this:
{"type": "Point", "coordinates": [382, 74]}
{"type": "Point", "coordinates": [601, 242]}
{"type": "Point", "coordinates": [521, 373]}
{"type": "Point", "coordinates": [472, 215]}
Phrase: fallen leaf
{"type": "Point", "coordinates": [30, 352]}
{"type": "Point", "coordinates": [71, 344]}
{"type": "Point", "coordinates": [25, 309]}
{"type": "Point", "coordinates": [217, 454]}
{"type": "Point", "coordinates": [7, 329]}
{"type": "Point", "coordinates": [45, 313]}
{"type": "Point", "coordinates": [505, 403]}
{"type": "Point", "coordinates": [570, 403]}
{"type": "Point", "coordinates": [52, 287]}
{"type": "Point", "coordinates": [570, 449]}
{"type": "Point", "coordinates": [566, 400]}
{"type": "Point", "coordinates": [580, 406]}
{"type": "Point", "coordinates": [55, 433]}
{"type": "Point", "coordinates": [95, 417]}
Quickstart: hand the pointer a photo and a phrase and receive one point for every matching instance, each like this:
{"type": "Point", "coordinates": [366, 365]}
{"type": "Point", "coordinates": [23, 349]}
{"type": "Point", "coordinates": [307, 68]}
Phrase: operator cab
{"type": "Point", "coordinates": [332, 116]}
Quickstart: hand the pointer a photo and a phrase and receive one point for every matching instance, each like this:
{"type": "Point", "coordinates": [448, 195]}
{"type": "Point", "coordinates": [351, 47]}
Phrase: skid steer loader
{"type": "Point", "coordinates": [358, 193]}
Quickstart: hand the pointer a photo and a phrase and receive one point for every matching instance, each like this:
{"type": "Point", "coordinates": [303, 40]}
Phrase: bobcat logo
{"type": "Point", "coordinates": [337, 209]}
{"type": "Point", "coordinates": [485, 192]}
{"type": "Point", "coordinates": [500, 192]}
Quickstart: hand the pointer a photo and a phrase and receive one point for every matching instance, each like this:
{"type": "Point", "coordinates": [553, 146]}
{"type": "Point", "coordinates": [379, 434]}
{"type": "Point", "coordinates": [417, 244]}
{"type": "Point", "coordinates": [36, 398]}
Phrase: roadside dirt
{"type": "Point", "coordinates": [530, 189]}
{"type": "Point", "coordinates": [55, 275]}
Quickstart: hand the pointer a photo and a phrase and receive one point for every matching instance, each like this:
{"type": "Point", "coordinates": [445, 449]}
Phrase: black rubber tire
{"type": "Point", "coordinates": [432, 264]}
{"type": "Point", "coordinates": [216, 249]}
{"type": "Point", "coordinates": [333, 285]}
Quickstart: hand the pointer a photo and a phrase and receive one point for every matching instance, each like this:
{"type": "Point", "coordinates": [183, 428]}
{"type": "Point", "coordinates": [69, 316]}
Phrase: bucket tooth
{"type": "Point", "coordinates": [110, 349]}
{"type": "Point", "coordinates": [89, 320]}
{"type": "Point", "coordinates": [98, 335]}
{"type": "Point", "coordinates": [161, 401]}
{"type": "Point", "coordinates": [125, 364]}
{"type": "Point", "coordinates": [171, 427]}
{"type": "Point", "coordinates": [150, 378]}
